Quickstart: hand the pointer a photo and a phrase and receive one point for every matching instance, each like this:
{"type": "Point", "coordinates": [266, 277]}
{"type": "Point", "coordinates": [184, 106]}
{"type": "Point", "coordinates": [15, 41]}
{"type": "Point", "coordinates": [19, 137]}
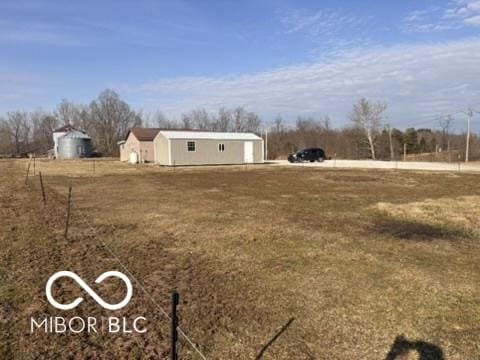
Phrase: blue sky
{"type": "Point", "coordinates": [309, 58]}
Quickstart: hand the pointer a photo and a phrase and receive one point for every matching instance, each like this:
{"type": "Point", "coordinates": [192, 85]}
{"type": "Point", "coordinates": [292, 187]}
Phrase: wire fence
{"type": "Point", "coordinates": [84, 220]}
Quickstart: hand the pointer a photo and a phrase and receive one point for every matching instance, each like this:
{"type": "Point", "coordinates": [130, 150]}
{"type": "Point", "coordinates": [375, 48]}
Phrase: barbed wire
{"type": "Point", "coordinates": [181, 332]}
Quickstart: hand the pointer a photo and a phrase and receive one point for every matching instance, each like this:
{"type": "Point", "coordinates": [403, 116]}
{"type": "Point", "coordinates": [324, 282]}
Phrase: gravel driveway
{"type": "Point", "coordinates": [378, 164]}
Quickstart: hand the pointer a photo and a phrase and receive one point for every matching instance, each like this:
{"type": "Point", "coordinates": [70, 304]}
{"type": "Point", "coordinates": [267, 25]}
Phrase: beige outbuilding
{"type": "Point", "coordinates": [140, 142]}
{"type": "Point", "coordinates": [176, 148]}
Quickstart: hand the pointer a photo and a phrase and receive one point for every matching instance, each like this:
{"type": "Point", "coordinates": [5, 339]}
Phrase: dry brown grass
{"type": "Point", "coordinates": [461, 211]}
{"type": "Point", "coordinates": [357, 258]}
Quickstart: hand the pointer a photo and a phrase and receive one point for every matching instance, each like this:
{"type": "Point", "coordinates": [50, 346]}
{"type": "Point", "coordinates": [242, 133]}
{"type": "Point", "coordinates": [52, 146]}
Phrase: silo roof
{"type": "Point", "coordinates": [76, 134]}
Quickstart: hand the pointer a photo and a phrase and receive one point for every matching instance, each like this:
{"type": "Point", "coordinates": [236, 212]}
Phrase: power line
{"type": "Point", "coordinates": [437, 117]}
{"type": "Point", "coordinates": [469, 114]}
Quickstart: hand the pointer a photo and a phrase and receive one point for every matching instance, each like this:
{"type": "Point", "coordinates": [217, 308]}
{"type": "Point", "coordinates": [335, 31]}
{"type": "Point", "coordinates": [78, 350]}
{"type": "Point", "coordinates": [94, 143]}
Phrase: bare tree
{"type": "Point", "coordinates": [17, 125]}
{"type": "Point", "coordinates": [445, 123]}
{"type": "Point", "coordinates": [111, 118]}
{"type": "Point", "coordinates": [67, 113]}
{"type": "Point", "coordinates": [43, 126]}
{"type": "Point", "coordinates": [186, 122]}
{"type": "Point", "coordinates": [223, 121]}
{"type": "Point", "coordinates": [200, 119]}
{"type": "Point", "coordinates": [26, 132]}
{"type": "Point", "coordinates": [160, 119]}
{"type": "Point", "coordinates": [241, 120]}
{"type": "Point", "coordinates": [252, 122]}
{"type": "Point", "coordinates": [326, 123]}
{"type": "Point", "coordinates": [238, 117]}
{"type": "Point", "coordinates": [84, 120]}
{"type": "Point", "coordinates": [367, 117]}
{"type": "Point", "coordinates": [277, 138]}
{"type": "Point", "coordinates": [5, 137]}
{"type": "Point", "coordinates": [389, 130]}
{"type": "Point", "coordinates": [163, 122]}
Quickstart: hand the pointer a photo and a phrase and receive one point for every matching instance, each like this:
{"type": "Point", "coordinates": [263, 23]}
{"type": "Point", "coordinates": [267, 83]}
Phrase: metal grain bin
{"type": "Point", "coordinates": [74, 144]}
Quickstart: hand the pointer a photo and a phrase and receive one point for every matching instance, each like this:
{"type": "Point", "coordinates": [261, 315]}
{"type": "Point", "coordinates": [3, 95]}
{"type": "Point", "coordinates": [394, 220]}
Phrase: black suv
{"type": "Point", "coordinates": [313, 154]}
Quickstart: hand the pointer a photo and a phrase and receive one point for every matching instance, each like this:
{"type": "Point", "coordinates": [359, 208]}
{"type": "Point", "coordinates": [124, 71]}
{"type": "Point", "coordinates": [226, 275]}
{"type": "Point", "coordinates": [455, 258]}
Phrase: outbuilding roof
{"type": "Point", "coordinates": [211, 135]}
{"type": "Point", "coordinates": [144, 134]}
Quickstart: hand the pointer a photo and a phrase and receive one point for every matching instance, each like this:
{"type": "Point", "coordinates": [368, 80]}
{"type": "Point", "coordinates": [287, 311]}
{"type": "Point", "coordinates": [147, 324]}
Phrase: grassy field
{"type": "Point", "coordinates": [350, 264]}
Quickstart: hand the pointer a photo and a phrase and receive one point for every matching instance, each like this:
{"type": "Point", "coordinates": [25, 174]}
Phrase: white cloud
{"type": "Point", "coordinates": [474, 20]}
{"type": "Point", "coordinates": [456, 15]}
{"type": "Point", "coordinates": [473, 5]}
{"type": "Point", "coordinates": [417, 81]}
{"type": "Point", "coordinates": [330, 31]}
{"type": "Point", "coordinates": [38, 34]}
{"type": "Point", "coordinates": [322, 22]}
{"type": "Point", "coordinates": [19, 87]}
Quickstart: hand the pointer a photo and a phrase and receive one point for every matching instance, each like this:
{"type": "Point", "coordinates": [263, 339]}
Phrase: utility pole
{"type": "Point", "coordinates": [467, 147]}
{"type": "Point", "coordinates": [266, 143]}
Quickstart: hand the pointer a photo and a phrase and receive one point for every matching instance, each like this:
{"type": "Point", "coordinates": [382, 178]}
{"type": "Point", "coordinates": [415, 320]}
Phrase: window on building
{"type": "Point", "coordinates": [191, 146]}
{"type": "Point", "coordinates": [221, 147]}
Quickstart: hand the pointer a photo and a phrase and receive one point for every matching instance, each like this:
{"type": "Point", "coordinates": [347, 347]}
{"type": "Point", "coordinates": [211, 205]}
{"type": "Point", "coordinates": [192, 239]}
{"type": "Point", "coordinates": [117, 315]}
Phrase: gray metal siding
{"type": "Point", "coordinates": [72, 148]}
{"type": "Point", "coordinates": [206, 152]}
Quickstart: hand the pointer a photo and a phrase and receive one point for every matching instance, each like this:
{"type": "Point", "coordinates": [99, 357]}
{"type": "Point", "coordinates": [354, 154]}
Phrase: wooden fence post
{"type": "Point", "coordinates": [69, 201]}
{"type": "Point", "coordinates": [28, 171]}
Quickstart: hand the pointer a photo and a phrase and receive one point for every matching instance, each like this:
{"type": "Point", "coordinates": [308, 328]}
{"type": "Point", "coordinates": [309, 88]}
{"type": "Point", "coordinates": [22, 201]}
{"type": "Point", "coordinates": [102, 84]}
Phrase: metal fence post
{"type": "Point", "coordinates": [69, 201]}
{"type": "Point", "coordinates": [175, 301]}
{"type": "Point", "coordinates": [41, 186]}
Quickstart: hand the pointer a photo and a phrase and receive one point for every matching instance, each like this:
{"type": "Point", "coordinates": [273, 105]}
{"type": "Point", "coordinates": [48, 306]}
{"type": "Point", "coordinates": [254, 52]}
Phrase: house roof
{"type": "Point", "coordinates": [65, 128]}
{"type": "Point", "coordinates": [208, 135]}
{"type": "Point", "coordinates": [143, 134]}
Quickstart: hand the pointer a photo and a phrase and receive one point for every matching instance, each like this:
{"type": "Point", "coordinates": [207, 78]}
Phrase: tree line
{"type": "Point", "coordinates": [108, 118]}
